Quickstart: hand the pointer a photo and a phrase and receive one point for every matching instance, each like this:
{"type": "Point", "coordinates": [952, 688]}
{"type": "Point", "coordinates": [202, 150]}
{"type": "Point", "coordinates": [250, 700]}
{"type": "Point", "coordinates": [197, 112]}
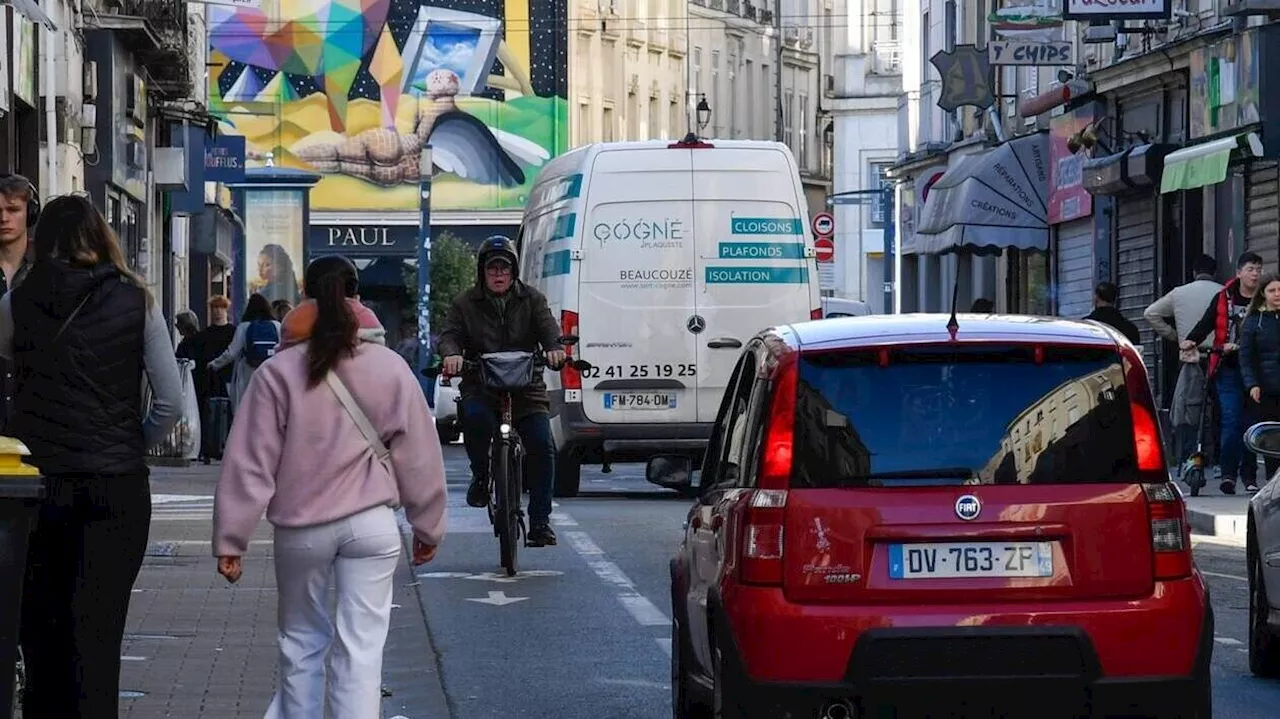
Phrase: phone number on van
{"type": "Point", "coordinates": [642, 370]}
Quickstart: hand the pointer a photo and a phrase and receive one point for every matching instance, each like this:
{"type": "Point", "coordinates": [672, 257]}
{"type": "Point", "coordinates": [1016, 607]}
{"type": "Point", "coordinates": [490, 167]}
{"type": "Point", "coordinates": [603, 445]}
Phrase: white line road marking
{"type": "Point", "coordinates": [1228, 641]}
{"type": "Point", "coordinates": [1224, 576]}
{"type": "Point", "coordinates": [172, 498]}
{"type": "Point", "coordinates": [641, 609]}
{"type": "Point", "coordinates": [497, 599]}
{"type": "Point", "coordinates": [665, 644]}
{"type": "Point", "coordinates": [560, 519]}
{"type": "Point", "coordinates": [128, 658]}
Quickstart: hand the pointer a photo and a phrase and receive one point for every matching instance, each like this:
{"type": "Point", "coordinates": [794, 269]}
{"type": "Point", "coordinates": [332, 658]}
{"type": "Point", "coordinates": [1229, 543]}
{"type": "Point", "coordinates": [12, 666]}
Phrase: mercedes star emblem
{"type": "Point", "coordinates": [696, 324]}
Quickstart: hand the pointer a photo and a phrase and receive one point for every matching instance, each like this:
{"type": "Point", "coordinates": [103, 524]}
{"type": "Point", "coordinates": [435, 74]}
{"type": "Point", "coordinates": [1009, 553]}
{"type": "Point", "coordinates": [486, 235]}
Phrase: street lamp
{"type": "Point", "coordinates": [704, 113]}
{"type": "Point", "coordinates": [425, 167]}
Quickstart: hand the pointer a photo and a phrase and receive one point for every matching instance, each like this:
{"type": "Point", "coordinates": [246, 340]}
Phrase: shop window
{"type": "Point", "coordinates": [1028, 280]}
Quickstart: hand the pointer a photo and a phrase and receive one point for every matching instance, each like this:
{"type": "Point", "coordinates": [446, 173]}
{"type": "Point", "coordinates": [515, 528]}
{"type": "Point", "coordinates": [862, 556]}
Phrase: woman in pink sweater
{"type": "Point", "coordinates": [332, 434]}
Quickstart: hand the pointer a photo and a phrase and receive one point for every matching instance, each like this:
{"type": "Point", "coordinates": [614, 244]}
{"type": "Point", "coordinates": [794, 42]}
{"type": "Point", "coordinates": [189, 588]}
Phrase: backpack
{"type": "Point", "coordinates": [260, 341]}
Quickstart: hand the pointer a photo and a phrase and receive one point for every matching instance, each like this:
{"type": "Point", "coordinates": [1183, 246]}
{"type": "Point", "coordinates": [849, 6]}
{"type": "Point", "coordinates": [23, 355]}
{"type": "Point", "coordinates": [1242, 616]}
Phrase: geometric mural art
{"type": "Point", "coordinates": [353, 89]}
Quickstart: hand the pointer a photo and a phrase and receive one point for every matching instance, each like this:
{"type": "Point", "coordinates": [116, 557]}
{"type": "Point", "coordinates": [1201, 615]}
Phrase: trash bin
{"type": "Point", "coordinates": [21, 489]}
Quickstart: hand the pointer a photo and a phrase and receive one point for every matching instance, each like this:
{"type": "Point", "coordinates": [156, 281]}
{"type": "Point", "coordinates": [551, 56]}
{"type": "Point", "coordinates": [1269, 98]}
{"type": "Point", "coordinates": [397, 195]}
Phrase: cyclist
{"type": "Point", "coordinates": [502, 314]}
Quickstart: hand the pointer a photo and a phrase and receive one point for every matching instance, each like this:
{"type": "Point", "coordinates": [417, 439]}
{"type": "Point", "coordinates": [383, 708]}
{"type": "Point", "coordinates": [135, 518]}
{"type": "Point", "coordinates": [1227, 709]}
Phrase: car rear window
{"type": "Point", "coordinates": [932, 415]}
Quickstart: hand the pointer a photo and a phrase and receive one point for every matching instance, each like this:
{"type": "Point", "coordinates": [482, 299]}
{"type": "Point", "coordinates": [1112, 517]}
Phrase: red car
{"type": "Point", "coordinates": [906, 515]}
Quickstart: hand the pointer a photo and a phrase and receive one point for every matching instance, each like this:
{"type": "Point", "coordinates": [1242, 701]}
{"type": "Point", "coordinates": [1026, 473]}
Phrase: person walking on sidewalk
{"type": "Point", "coordinates": [1105, 311]}
{"type": "Point", "coordinates": [1185, 305]}
{"type": "Point", "coordinates": [1260, 359]}
{"type": "Point", "coordinates": [1221, 321]}
{"type": "Point", "coordinates": [332, 433]}
{"type": "Point", "coordinates": [81, 331]}
{"type": "Point", "coordinates": [255, 340]}
{"type": "Point", "coordinates": [19, 210]}
{"type": "Point", "coordinates": [211, 386]}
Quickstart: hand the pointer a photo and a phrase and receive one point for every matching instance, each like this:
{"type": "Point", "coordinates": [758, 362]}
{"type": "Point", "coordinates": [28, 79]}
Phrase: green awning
{"type": "Point", "coordinates": [1199, 165]}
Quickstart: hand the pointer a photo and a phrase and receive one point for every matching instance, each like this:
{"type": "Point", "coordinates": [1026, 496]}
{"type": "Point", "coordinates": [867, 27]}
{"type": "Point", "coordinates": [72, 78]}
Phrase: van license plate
{"type": "Point", "coordinates": [639, 400]}
{"type": "Point", "coordinates": [943, 560]}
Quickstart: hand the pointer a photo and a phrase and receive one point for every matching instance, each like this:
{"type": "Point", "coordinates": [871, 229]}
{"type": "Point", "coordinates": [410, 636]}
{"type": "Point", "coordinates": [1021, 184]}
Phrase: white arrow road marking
{"type": "Point", "coordinates": [1227, 641]}
{"type": "Point", "coordinates": [444, 575]}
{"type": "Point", "coordinates": [497, 599]}
{"type": "Point", "coordinates": [504, 579]}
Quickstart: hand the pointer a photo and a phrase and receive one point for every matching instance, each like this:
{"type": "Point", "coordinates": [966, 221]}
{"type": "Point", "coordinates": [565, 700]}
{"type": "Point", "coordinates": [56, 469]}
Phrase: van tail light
{"type": "Point", "coordinates": [1170, 532]}
{"type": "Point", "coordinates": [570, 378]}
{"type": "Point", "coordinates": [762, 537]}
{"type": "Point", "coordinates": [815, 314]}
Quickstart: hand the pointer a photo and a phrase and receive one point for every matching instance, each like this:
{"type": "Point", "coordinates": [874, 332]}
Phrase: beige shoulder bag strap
{"type": "Point", "coordinates": [357, 414]}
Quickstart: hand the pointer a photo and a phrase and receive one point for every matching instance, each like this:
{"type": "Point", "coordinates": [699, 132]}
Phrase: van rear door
{"type": "Point", "coordinates": [635, 288]}
{"type": "Point", "coordinates": [752, 272]}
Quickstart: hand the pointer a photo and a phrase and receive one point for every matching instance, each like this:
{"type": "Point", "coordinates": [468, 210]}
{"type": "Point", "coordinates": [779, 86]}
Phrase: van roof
{"type": "Point", "coordinates": [928, 328]}
{"type": "Point", "coordinates": [579, 157]}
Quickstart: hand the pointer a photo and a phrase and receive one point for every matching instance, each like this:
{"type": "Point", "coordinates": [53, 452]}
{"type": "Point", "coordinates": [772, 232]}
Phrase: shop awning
{"type": "Point", "coordinates": [1204, 164]}
{"type": "Point", "coordinates": [989, 202]}
{"type": "Point", "coordinates": [32, 11]}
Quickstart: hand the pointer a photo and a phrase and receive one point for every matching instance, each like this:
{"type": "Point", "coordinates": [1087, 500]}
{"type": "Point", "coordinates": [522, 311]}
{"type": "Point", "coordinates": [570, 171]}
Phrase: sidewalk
{"type": "Point", "coordinates": [199, 648]}
{"type": "Point", "coordinates": [1218, 515]}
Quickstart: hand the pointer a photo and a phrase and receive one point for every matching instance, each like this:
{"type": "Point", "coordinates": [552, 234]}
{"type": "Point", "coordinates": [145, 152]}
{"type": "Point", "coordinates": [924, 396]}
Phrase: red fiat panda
{"type": "Point", "coordinates": [906, 515]}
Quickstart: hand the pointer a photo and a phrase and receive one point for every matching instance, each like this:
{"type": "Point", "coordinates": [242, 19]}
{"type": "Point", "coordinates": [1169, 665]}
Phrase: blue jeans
{"type": "Point", "coordinates": [479, 423]}
{"type": "Point", "coordinates": [1235, 460]}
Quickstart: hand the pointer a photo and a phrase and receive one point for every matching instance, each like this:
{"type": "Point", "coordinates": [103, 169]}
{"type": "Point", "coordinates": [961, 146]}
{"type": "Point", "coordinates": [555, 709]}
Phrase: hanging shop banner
{"type": "Point", "coordinates": [1050, 54]}
{"type": "Point", "coordinates": [966, 78]}
{"type": "Point", "coordinates": [1108, 10]}
{"type": "Point", "coordinates": [1225, 80]}
{"type": "Point", "coordinates": [1068, 198]}
{"type": "Point", "coordinates": [1028, 20]}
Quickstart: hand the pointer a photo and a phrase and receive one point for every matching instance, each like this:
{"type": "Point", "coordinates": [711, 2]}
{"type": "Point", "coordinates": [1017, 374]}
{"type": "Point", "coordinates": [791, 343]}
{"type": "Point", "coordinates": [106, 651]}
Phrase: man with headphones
{"type": "Point", "coordinates": [19, 210]}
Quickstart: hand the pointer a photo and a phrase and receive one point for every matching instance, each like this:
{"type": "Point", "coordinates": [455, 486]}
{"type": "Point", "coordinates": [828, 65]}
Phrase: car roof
{"type": "Point", "coordinates": [876, 330]}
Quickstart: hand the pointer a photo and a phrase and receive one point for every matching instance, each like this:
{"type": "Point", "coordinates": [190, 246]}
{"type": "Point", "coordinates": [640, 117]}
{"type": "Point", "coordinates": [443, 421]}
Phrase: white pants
{"type": "Point", "coordinates": [360, 552]}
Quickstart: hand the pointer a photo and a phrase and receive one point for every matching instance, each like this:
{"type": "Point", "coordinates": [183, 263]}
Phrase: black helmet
{"type": "Point", "coordinates": [493, 247]}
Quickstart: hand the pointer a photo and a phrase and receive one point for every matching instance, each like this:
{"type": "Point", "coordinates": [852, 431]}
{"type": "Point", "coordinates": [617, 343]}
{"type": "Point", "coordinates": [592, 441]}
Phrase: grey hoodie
{"type": "Point", "coordinates": [1184, 305]}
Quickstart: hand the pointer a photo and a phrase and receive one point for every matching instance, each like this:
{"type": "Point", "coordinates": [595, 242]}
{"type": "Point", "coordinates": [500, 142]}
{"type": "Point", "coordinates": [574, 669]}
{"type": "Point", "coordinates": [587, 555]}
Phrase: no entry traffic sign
{"type": "Point", "coordinates": [824, 249]}
{"type": "Point", "coordinates": [824, 225]}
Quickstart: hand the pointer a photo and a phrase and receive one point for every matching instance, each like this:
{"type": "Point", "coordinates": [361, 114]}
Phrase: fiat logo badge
{"type": "Point", "coordinates": [968, 507]}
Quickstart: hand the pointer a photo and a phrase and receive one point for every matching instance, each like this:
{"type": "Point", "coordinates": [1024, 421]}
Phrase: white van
{"type": "Point", "coordinates": [841, 307]}
{"type": "Point", "coordinates": [664, 258]}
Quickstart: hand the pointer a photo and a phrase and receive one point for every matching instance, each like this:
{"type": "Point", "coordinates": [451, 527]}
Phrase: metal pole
{"type": "Point", "coordinates": [777, 40]}
{"type": "Point", "coordinates": [890, 230]}
{"type": "Point", "coordinates": [424, 264]}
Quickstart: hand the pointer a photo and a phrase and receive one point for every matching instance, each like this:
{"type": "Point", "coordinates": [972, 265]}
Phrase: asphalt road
{"type": "Point", "coordinates": [583, 632]}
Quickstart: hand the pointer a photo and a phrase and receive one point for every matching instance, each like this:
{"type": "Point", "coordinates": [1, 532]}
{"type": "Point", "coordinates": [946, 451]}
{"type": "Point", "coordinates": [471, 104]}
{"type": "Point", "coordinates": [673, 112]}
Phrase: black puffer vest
{"type": "Point", "coordinates": [78, 406]}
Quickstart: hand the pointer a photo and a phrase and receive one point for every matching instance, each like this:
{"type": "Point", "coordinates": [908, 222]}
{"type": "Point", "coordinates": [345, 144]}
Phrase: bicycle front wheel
{"type": "Point", "coordinates": [508, 504]}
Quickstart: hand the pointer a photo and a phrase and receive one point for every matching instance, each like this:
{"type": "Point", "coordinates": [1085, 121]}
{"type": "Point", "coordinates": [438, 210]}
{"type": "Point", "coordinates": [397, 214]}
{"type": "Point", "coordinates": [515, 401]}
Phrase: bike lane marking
{"type": "Point", "coordinates": [645, 612]}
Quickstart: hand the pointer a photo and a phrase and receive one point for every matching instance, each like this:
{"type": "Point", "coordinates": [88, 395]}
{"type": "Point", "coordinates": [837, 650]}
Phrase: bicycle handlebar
{"type": "Point", "coordinates": [539, 362]}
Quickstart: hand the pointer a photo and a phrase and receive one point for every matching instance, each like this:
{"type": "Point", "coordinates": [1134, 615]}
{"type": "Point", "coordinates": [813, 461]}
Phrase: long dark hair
{"type": "Point", "coordinates": [1259, 299]}
{"type": "Point", "coordinates": [72, 230]}
{"type": "Point", "coordinates": [330, 281]}
{"type": "Point", "coordinates": [257, 308]}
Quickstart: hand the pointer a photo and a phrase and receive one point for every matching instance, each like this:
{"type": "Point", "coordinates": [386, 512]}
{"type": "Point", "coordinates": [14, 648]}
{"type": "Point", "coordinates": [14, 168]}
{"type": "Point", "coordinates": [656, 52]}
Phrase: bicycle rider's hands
{"type": "Point", "coordinates": [1230, 347]}
{"type": "Point", "coordinates": [1187, 345]}
{"type": "Point", "coordinates": [1255, 393]}
{"type": "Point", "coordinates": [422, 553]}
{"type": "Point", "coordinates": [555, 358]}
{"type": "Point", "coordinates": [452, 365]}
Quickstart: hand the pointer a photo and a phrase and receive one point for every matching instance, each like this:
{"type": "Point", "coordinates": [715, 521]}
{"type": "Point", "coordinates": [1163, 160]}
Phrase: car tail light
{"type": "Point", "coordinates": [1146, 433]}
{"type": "Point", "coordinates": [1170, 533]}
{"type": "Point", "coordinates": [570, 378]}
{"type": "Point", "coordinates": [815, 314]}
{"type": "Point", "coordinates": [762, 538]}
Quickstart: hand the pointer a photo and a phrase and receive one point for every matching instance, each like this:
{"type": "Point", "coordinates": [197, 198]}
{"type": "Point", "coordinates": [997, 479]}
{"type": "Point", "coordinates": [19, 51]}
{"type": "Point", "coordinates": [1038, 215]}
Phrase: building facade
{"type": "Point", "coordinates": [628, 74]}
{"type": "Point", "coordinates": [863, 90]}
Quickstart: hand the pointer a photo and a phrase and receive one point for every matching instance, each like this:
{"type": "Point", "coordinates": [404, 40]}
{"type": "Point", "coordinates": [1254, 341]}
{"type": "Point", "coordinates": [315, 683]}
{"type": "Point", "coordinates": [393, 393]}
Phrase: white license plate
{"type": "Point", "coordinates": [941, 560]}
{"type": "Point", "coordinates": [639, 400]}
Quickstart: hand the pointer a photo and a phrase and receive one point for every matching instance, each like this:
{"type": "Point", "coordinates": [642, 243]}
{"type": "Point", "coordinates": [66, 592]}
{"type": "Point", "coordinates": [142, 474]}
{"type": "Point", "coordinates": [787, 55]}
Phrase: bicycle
{"type": "Point", "coordinates": [505, 373]}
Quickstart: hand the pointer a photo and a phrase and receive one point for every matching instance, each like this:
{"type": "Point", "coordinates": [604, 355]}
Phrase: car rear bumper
{"type": "Point", "coordinates": [1030, 668]}
{"type": "Point", "coordinates": [626, 442]}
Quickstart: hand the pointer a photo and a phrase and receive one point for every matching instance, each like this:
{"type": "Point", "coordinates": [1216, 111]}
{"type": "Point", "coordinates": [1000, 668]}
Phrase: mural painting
{"type": "Point", "coordinates": [352, 89]}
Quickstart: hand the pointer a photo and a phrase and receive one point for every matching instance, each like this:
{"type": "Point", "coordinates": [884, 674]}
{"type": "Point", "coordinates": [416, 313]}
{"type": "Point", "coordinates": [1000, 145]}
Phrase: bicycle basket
{"type": "Point", "coordinates": [506, 371]}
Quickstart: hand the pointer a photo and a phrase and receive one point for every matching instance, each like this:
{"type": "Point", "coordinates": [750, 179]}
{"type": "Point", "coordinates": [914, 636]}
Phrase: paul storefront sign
{"type": "Point", "coordinates": [1116, 10]}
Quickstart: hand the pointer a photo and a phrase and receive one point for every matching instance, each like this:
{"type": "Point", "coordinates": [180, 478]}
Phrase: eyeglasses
{"type": "Point", "coordinates": [498, 269]}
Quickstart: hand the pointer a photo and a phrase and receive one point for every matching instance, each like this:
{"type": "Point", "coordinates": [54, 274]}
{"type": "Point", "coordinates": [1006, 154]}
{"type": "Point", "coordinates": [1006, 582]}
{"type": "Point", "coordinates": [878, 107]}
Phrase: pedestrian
{"type": "Point", "coordinates": [254, 341]}
{"type": "Point", "coordinates": [19, 210]}
{"type": "Point", "coordinates": [211, 386]}
{"type": "Point", "coordinates": [1221, 322]}
{"type": "Point", "coordinates": [1105, 311]}
{"type": "Point", "coordinates": [331, 435]}
{"type": "Point", "coordinates": [187, 325]}
{"type": "Point", "coordinates": [280, 308]}
{"type": "Point", "coordinates": [1185, 305]}
{"type": "Point", "coordinates": [1260, 360]}
{"type": "Point", "coordinates": [81, 330]}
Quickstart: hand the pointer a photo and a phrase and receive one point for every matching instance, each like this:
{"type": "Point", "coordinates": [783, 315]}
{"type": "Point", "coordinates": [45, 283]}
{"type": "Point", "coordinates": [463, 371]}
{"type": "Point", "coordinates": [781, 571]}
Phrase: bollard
{"type": "Point", "coordinates": [21, 490]}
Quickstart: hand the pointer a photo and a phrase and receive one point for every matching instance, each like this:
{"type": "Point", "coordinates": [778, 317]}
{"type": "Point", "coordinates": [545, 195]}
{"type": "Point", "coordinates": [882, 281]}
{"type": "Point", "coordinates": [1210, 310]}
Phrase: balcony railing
{"type": "Point", "coordinates": [887, 56]}
{"type": "Point", "coordinates": [166, 58]}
